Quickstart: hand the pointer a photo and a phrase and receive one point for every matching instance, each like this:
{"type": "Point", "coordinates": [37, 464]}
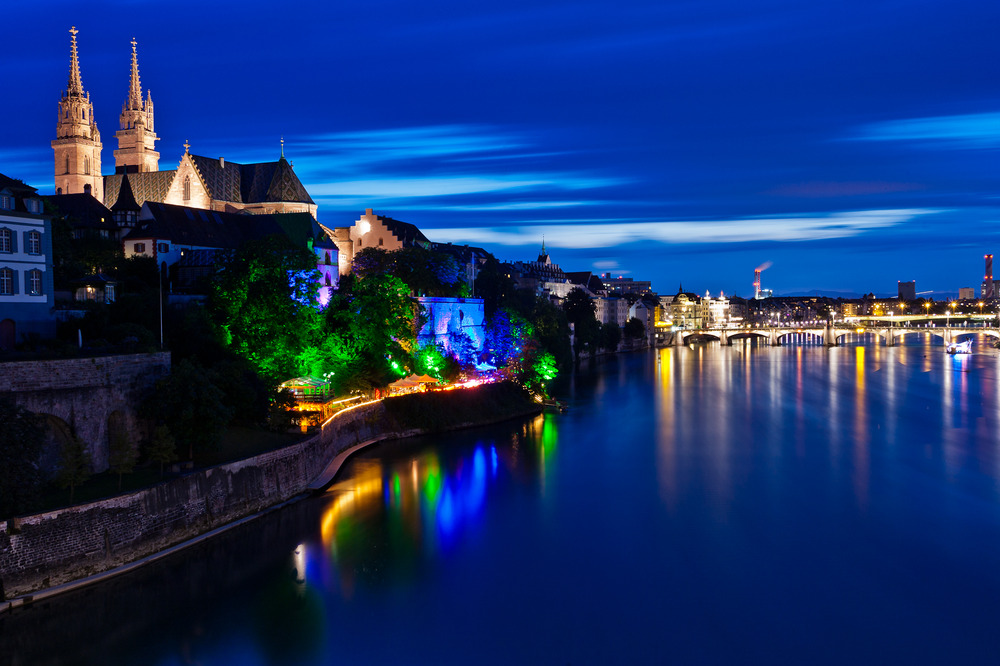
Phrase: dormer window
{"type": "Point", "coordinates": [6, 202]}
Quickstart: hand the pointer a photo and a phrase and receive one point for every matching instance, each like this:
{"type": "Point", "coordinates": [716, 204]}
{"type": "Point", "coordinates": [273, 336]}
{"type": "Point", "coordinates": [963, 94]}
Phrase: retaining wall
{"type": "Point", "coordinates": [51, 548]}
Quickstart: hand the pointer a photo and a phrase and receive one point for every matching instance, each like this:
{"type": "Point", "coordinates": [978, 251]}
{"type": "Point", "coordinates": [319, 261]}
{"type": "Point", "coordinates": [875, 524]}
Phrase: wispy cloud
{"type": "Point", "coordinates": [974, 130]}
{"type": "Point", "coordinates": [575, 235]}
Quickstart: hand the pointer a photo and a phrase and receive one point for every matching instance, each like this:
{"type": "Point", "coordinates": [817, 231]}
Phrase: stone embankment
{"type": "Point", "coordinates": [52, 548]}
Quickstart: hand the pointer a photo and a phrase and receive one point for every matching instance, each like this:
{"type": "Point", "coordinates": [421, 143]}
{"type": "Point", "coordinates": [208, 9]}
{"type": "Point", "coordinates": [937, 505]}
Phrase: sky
{"type": "Point", "coordinates": [851, 144]}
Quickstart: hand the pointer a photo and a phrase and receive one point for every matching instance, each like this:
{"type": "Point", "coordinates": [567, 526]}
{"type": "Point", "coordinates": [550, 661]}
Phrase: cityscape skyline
{"type": "Point", "coordinates": [851, 146]}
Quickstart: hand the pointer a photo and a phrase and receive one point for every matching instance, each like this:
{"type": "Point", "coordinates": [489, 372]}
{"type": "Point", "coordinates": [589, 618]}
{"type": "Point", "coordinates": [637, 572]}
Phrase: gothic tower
{"type": "Point", "coordinates": [77, 144]}
{"type": "Point", "coordinates": [136, 139]}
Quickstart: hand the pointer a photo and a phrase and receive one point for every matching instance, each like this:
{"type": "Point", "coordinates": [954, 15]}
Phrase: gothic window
{"type": "Point", "coordinates": [35, 282]}
{"type": "Point", "coordinates": [67, 164]}
{"type": "Point", "coordinates": [187, 188]}
{"type": "Point", "coordinates": [58, 190]}
{"type": "Point", "coordinates": [327, 261]}
{"type": "Point", "coordinates": [328, 280]}
{"type": "Point", "coordinates": [34, 242]}
{"type": "Point", "coordinates": [86, 164]}
{"type": "Point", "coordinates": [83, 113]}
{"type": "Point", "coordinates": [86, 188]}
{"type": "Point", "coordinates": [6, 240]}
{"type": "Point", "coordinates": [6, 282]}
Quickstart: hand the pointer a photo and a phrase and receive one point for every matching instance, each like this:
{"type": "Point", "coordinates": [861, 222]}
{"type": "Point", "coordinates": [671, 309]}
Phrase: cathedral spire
{"type": "Point", "coordinates": [134, 88]}
{"type": "Point", "coordinates": [75, 85]}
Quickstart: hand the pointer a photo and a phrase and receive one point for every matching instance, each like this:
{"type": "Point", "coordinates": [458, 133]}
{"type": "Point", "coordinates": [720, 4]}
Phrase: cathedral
{"type": "Point", "coordinates": [198, 182]}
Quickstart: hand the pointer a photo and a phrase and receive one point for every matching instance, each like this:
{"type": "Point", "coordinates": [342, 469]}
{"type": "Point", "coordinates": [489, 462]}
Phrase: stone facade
{"type": "Point", "coordinates": [447, 319]}
{"type": "Point", "coordinates": [88, 397]}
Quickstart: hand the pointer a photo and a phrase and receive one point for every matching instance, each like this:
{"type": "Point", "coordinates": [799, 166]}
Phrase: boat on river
{"type": "Point", "coordinates": [964, 347]}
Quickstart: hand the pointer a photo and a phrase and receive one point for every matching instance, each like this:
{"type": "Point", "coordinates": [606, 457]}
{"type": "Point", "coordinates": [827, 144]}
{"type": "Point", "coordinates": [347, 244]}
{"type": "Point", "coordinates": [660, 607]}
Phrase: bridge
{"type": "Point", "coordinates": [831, 334]}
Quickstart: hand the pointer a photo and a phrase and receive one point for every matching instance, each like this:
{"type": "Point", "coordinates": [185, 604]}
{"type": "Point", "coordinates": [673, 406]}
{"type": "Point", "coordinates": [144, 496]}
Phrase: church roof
{"type": "Point", "coordinates": [260, 182]}
{"type": "Point", "coordinates": [146, 186]}
{"type": "Point", "coordinates": [215, 229]}
{"type": "Point", "coordinates": [126, 198]}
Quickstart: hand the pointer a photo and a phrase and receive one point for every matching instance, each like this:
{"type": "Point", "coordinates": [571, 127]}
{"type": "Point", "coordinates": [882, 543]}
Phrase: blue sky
{"type": "Point", "coordinates": [851, 144]}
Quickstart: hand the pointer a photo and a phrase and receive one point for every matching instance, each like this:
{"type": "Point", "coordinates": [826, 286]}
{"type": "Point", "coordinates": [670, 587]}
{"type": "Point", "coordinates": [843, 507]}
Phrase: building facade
{"type": "Point", "coordinates": [26, 286]}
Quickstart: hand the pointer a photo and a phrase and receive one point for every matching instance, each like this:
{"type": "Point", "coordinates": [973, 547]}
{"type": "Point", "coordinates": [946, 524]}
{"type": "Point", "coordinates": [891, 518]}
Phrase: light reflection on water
{"type": "Point", "coordinates": [711, 505]}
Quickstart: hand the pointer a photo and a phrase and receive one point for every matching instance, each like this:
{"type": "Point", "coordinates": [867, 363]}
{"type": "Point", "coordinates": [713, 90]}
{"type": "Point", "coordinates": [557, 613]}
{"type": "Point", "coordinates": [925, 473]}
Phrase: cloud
{"type": "Point", "coordinates": [589, 235]}
{"type": "Point", "coordinates": [974, 130]}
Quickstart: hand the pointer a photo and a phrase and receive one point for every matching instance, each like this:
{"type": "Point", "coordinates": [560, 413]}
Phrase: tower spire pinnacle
{"type": "Point", "coordinates": [282, 147]}
{"type": "Point", "coordinates": [134, 88]}
{"type": "Point", "coordinates": [75, 86]}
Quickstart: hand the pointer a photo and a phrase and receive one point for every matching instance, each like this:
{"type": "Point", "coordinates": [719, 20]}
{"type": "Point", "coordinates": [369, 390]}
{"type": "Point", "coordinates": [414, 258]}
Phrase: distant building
{"type": "Point", "coordinates": [371, 230]}
{"type": "Point", "coordinates": [26, 286]}
{"type": "Point", "coordinates": [611, 310]}
{"type": "Point", "coordinates": [620, 286]}
{"type": "Point", "coordinates": [907, 291]}
{"type": "Point", "coordinates": [966, 293]}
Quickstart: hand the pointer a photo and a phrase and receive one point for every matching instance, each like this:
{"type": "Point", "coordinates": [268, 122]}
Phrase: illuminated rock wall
{"type": "Point", "coordinates": [449, 318]}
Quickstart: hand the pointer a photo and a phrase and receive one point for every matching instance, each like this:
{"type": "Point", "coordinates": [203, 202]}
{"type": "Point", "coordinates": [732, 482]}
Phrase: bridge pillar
{"type": "Point", "coordinates": [890, 337]}
{"type": "Point", "coordinates": [829, 334]}
{"type": "Point", "coordinates": [775, 342]}
{"type": "Point", "coordinates": [949, 337]}
{"type": "Point", "coordinates": [723, 338]}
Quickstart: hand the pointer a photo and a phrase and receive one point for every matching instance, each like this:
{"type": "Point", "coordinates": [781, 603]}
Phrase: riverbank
{"type": "Point", "coordinates": [49, 550]}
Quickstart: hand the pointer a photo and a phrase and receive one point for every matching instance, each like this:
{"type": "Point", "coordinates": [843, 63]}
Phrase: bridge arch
{"type": "Point", "coordinates": [816, 335]}
{"type": "Point", "coordinates": [746, 335]}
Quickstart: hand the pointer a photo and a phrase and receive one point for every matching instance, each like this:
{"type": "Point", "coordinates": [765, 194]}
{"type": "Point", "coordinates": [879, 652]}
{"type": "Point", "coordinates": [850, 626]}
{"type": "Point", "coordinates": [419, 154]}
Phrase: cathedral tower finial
{"type": "Point", "coordinates": [134, 88]}
{"type": "Point", "coordinates": [282, 147]}
{"type": "Point", "coordinates": [75, 85]}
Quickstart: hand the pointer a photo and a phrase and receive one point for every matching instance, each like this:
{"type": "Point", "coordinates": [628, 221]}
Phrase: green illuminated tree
{"type": "Point", "coordinates": [264, 300]}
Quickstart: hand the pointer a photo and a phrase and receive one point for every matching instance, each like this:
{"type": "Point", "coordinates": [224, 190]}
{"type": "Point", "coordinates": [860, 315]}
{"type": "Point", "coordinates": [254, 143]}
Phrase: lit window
{"type": "Point", "coordinates": [139, 248]}
{"type": "Point", "coordinates": [6, 282]}
{"type": "Point", "coordinates": [35, 282]}
{"type": "Point", "coordinates": [34, 242]}
{"type": "Point", "coordinates": [6, 244]}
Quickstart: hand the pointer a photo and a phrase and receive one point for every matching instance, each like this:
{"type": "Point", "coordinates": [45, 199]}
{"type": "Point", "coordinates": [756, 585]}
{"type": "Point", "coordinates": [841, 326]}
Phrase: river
{"type": "Point", "coordinates": [698, 505]}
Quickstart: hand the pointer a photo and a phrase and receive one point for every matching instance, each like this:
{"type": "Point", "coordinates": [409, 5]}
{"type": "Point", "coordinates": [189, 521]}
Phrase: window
{"type": "Point", "coordinates": [327, 260]}
{"type": "Point", "coordinates": [86, 164]}
{"type": "Point", "coordinates": [381, 242]}
{"type": "Point", "coordinates": [6, 282]}
{"type": "Point", "coordinates": [67, 163]}
{"type": "Point", "coordinates": [34, 242]}
{"type": "Point", "coordinates": [163, 247]}
{"type": "Point", "coordinates": [187, 188]}
{"type": "Point", "coordinates": [34, 282]}
{"type": "Point", "coordinates": [86, 188]}
{"type": "Point", "coordinates": [6, 240]}
{"type": "Point", "coordinates": [139, 248]}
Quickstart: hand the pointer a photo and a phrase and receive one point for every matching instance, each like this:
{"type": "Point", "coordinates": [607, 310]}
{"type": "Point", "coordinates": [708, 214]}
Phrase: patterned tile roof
{"type": "Point", "coordinates": [260, 182]}
{"type": "Point", "coordinates": [146, 186]}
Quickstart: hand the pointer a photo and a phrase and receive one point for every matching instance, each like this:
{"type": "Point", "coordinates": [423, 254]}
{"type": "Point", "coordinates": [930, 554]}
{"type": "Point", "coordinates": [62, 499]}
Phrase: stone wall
{"type": "Point", "coordinates": [85, 394]}
{"type": "Point", "coordinates": [51, 548]}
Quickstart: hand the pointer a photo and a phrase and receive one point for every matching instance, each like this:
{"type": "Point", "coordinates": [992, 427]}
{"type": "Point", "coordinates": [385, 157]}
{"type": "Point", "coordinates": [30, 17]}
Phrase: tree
{"type": "Point", "coordinates": [74, 465]}
{"type": "Point", "coordinates": [611, 335]}
{"type": "Point", "coordinates": [162, 448]}
{"type": "Point", "coordinates": [191, 405]}
{"type": "Point", "coordinates": [634, 329]}
{"type": "Point", "coordinates": [122, 456]}
{"type": "Point", "coordinates": [580, 310]}
{"type": "Point", "coordinates": [264, 300]}
{"type": "Point", "coordinates": [22, 434]}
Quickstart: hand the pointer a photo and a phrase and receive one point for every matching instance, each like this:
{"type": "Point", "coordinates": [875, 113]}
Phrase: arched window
{"type": "Point", "coordinates": [67, 164]}
{"type": "Point", "coordinates": [83, 113]}
{"type": "Point", "coordinates": [86, 164]}
{"type": "Point", "coordinates": [86, 188]}
{"type": "Point", "coordinates": [58, 190]}
{"type": "Point", "coordinates": [328, 280]}
{"type": "Point", "coordinates": [187, 188]}
{"type": "Point", "coordinates": [327, 261]}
